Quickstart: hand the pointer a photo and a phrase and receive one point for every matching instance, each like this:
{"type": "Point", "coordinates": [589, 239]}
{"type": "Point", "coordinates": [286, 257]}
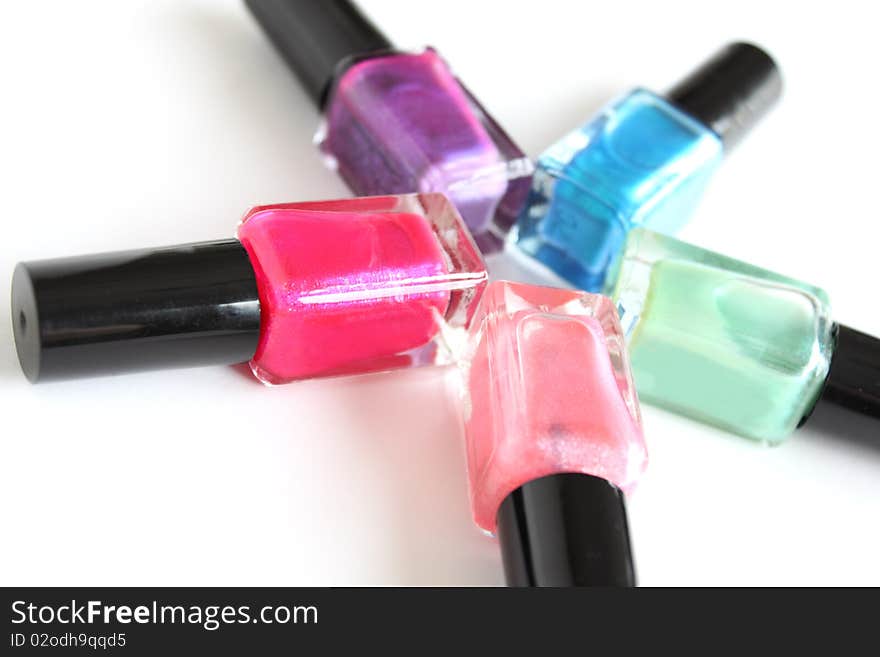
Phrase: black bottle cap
{"type": "Point", "coordinates": [316, 37]}
{"type": "Point", "coordinates": [194, 304]}
{"type": "Point", "coordinates": [730, 92]}
{"type": "Point", "coordinates": [854, 376]}
{"type": "Point", "coordinates": [565, 530]}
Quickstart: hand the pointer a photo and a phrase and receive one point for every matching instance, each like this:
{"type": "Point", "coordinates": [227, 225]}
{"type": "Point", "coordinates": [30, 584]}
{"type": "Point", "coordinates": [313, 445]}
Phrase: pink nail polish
{"type": "Point", "coordinates": [363, 285]}
{"type": "Point", "coordinates": [311, 289]}
{"type": "Point", "coordinates": [549, 392]}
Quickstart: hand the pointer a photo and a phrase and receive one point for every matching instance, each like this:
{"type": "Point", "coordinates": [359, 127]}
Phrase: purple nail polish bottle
{"type": "Point", "coordinates": [398, 122]}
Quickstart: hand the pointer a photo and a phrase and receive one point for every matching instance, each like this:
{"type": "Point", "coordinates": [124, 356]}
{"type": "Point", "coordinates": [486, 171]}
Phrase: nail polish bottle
{"type": "Point", "coordinates": [398, 122]}
{"type": "Point", "coordinates": [734, 345]}
{"type": "Point", "coordinates": [643, 161]}
{"type": "Point", "coordinates": [553, 434]}
{"type": "Point", "coordinates": [307, 290]}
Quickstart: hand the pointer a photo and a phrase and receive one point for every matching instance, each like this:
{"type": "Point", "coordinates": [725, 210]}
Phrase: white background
{"type": "Point", "coordinates": [130, 124]}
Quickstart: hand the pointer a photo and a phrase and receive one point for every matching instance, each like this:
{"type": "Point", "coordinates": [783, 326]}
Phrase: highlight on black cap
{"type": "Point", "coordinates": [731, 91]}
{"type": "Point", "coordinates": [194, 304]}
{"type": "Point", "coordinates": [566, 529]}
{"type": "Point", "coordinates": [854, 375]}
{"type": "Point", "coordinates": [315, 37]}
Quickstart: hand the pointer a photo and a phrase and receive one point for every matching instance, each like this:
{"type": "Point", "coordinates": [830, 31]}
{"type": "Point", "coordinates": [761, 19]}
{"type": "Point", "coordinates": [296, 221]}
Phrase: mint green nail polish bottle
{"type": "Point", "coordinates": [734, 345]}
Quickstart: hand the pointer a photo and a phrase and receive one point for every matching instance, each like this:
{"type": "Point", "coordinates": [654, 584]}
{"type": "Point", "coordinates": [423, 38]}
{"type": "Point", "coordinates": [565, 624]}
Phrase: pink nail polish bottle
{"type": "Point", "coordinates": [553, 434]}
{"type": "Point", "coordinates": [307, 290]}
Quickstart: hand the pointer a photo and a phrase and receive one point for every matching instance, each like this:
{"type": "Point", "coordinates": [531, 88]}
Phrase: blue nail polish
{"type": "Point", "coordinates": [643, 161]}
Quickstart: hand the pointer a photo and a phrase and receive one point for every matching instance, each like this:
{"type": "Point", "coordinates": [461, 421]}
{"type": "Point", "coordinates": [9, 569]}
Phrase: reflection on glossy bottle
{"type": "Point", "coordinates": [643, 161]}
{"type": "Point", "coordinates": [553, 434]}
{"type": "Point", "coordinates": [734, 345]}
{"type": "Point", "coordinates": [402, 122]}
{"type": "Point", "coordinates": [398, 122]}
{"type": "Point", "coordinates": [308, 290]}
{"type": "Point", "coordinates": [350, 286]}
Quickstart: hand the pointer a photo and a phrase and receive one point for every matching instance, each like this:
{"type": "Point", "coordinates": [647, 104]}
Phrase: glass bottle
{"type": "Point", "coordinates": [553, 433]}
{"type": "Point", "coordinates": [643, 161]}
{"type": "Point", "coordinates": [734, 345]}
{"type": "Point", "coordinates": [307, 290]}
{"type": "Point", "coordinates": [398, 122]}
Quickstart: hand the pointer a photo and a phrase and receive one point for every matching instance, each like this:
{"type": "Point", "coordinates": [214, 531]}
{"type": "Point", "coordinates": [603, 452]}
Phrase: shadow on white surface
{"type": "Point", "coordinates": [407, 435]}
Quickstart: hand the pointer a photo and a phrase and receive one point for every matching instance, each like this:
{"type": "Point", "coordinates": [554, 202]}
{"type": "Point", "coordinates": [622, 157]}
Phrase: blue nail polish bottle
{"type": "Point", "coordinates": [643, 161]}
